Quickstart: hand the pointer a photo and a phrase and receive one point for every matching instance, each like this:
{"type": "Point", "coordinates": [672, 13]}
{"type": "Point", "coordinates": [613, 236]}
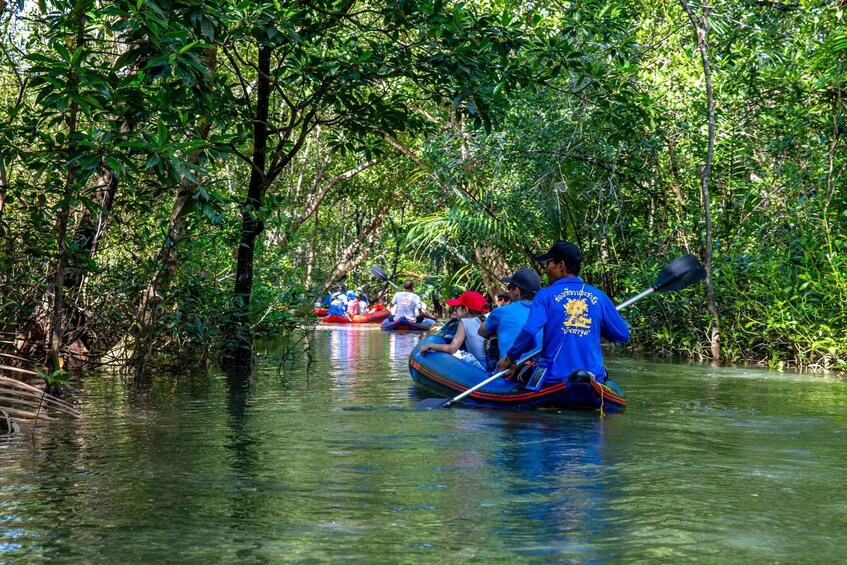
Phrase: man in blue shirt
{"type": "Point", "coordinates": [507, 320]}
{"type": "Point", "coordinates": [574, 316]}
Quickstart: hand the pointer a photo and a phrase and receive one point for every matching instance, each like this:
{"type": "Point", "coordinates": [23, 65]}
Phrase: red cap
{"type": "Point", "coordinates": [471, 300]}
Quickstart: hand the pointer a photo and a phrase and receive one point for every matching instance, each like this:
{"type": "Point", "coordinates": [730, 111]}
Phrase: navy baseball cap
{"type": "Point", "coordinates": [525, 279]}
{"type": "Point", "coordinates": [562, 251]}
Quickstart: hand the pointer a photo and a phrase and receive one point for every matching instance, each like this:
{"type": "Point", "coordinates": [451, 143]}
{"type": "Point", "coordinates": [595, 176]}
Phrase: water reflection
{"type": "Point", "coordinates": [553, 472]}
{"type": "Point", "coordinates": [703, 466]}
{"type": "Point", "coordinates": [349, 354]}
{"type": "Point", "coordinates": [400, 344]}
{"type": "Point", "coordinates": [355, 355]}
{"type": "Point", "coordinates": [244, 450]}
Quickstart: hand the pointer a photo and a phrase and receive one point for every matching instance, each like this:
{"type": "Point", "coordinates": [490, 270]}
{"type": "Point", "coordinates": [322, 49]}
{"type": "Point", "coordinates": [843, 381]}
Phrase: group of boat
{"type": "Point", "coordinates": [376, 314]}
{"type": "Point", "coordinates": [447, 375]}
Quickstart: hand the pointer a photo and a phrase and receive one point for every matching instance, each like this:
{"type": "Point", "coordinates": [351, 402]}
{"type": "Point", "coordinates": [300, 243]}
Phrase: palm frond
{"type": "Point", "coordinates": [21, 402]}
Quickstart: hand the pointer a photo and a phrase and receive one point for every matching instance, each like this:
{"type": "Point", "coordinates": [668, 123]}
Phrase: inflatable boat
{"type": "Point", "coordinates": [406, 325]}
{"type": "Point", "coordinates": [448, 376]}
{"type": "Point", "coordinates": [376, 314]}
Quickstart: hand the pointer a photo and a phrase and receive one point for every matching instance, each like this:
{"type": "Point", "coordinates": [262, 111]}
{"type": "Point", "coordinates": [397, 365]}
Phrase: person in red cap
{"type": "Point", "coordinates": [574, 316]}
{"type": "Point", "coordinates": [470, 307]}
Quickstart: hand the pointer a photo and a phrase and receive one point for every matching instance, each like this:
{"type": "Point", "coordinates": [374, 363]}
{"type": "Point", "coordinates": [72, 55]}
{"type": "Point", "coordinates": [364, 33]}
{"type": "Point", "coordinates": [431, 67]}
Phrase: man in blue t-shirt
{"type": "Point", "coordinates": [574, 316]}
{"type": "Point", "coordinates": [506, 321]}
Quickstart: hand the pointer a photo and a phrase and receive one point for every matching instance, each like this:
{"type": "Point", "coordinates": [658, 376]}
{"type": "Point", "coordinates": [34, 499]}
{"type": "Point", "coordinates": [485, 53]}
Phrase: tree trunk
{"type": "Point", "coordinates": [239, 346]}
{"type": "Point", "coordinates": [702, 30]}
{"type": "Point", "coordinates": [54, 362]}
{"type": "Point", "coordinates": [353, 255]}
{"type": "Point", "coordinates": [89, 230]}
{"type": "Point", "coordinates": [492, 268]}
{"type": "Point", "coordinates": [310, 259]}
{"type": "Point", "coordinates": [57, 314]}
{"type": "Point", "coordinates": [5, 231]}
{"type": "Point", "coordinates": [167, 258]}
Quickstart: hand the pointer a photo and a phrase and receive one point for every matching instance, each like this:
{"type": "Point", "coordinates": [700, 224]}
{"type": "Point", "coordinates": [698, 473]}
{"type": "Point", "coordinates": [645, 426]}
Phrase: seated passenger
{"type": "Point", "coordinates": [506, 322]}
{"type": "Point", "coordinates": [338, 305]}
{"type": "Point", "coordinates": [328, 300]}
{"type": "Point", "coordinates": [407, 304]}
{"type": "Point", "coordinates": [357, 306]}
{"type": "Point", "coordinates": [467, 343]}
{"type": "Point", "coordinates": [503, 299]}
{"type": "Point", "coordinates": [361, 295]}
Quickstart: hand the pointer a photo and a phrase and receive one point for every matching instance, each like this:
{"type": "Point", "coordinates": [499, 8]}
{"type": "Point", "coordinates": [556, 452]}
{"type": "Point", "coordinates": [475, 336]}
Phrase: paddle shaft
{"type": "Point", "coordinates": [474, 388]}
{"type": "Point", "coordinates": [635, 298]}
{"type": "Point", "coordinates": [492, 378]}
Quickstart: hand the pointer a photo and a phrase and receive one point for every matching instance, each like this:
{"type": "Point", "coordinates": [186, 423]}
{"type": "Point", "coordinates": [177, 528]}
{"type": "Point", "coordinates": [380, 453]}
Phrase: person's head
{"type": "Point", "coordinates": [523, 284]}
{"type": "Point", "coordinates": [468, 304]}
{"type": "Point", "coordinates": [503, 298]}
{"type": "Point", "coordinates": [351, 294]}
{"type": "Point", "coordinates": [408, 285]}
{"type": "Point", "coordinates": [562, 260]}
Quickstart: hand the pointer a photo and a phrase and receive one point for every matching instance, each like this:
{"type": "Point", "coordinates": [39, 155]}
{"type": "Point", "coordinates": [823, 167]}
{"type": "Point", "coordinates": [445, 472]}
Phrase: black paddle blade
{"type": "Point", "coordinates": [430, 403]}
{"type": "Point", "coordinates": [379, 273]}
{"type": "Point", "coordinates": [682, 272]}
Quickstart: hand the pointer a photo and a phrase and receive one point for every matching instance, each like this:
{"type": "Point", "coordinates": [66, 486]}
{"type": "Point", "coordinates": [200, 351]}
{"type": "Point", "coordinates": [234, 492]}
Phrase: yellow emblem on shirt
{"type": "Point", "coordinates": [577, 314]}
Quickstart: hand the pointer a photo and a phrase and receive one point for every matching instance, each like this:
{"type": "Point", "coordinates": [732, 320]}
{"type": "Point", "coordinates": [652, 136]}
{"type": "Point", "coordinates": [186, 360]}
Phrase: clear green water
{"type": "Point", "coordinates": [709, 465]}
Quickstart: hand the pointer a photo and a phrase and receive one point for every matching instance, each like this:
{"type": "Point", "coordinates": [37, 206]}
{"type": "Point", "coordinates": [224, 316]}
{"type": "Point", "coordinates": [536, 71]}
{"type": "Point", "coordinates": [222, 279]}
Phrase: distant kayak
{"type": "Point", "coordinates": [376, 314]}
{"type": "Point", "coordinates": [406, 325]}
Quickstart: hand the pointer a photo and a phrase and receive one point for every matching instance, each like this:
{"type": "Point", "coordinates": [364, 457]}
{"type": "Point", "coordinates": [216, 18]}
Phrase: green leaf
{"type": "Point", "coordinates": [162, 132]}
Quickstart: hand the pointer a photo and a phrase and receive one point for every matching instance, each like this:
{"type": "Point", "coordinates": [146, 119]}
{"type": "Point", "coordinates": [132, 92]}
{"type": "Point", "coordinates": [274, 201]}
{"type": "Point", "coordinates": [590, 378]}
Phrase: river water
{"type": "Point", "coordinates": [332, 463]}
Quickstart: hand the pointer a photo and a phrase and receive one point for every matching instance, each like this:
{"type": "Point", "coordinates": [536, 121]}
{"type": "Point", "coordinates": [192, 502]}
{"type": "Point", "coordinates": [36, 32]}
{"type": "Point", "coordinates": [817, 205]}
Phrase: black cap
{"type": "Point", "coordinates": [525, 279]}
{"type": "Point", "coordinates": [562, 251]}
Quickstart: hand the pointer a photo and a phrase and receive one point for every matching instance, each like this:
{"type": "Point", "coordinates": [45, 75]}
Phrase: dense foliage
{"type": "Point", "coordinates": [177, 175]}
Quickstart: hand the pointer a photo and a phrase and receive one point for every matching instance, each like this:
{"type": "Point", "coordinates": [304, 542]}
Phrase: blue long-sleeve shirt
{"type": "Point", "coordinates": [574, 316]}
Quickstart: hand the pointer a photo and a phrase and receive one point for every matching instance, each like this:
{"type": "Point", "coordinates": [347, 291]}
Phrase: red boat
{"type": "Point", "coordinates": [375, 314]}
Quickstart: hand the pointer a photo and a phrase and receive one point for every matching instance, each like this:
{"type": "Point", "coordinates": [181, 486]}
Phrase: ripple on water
{"type": "Point", "coordinates": [334, 463]}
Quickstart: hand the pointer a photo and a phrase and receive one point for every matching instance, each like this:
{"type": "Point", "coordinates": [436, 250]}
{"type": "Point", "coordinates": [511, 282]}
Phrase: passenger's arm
{"type": "Point", "coordinates": [451, 347]}
{"type": "Point", "coordinates": [490, 325]}
{"type": "Point", "coordinates": [426, 314]}
{"type": "Point", "coordinates": [526, 338]}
